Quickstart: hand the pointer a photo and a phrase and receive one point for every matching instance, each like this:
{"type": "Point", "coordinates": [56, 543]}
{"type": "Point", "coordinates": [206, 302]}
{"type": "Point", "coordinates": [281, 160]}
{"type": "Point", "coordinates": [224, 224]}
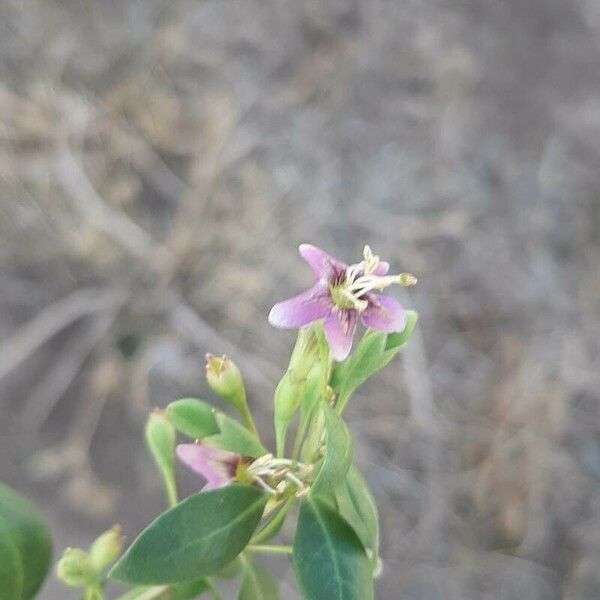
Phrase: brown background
{"type": "Point", "coordinates": [161, 161]}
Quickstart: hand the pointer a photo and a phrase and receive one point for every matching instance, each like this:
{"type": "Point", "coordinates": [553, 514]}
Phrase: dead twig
{"type": "Point", "coordinates": [48, 392]}
{"type": "Point", "coordinates": [51, 320]}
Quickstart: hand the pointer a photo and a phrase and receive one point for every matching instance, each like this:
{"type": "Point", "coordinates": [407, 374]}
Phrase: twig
{"type": "Point", "coordinates": [188, 323]}
{"type": "Point", "coordinates": [116, 225]}
{"type": "Point", "coordinates": [51, 320]}
{"type": "Point", "coordinates": [48, 392]}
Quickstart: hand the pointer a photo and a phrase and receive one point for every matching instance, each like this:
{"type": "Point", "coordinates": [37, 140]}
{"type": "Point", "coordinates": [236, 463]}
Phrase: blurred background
{"type": "Point", "coordinates": [161, 161]}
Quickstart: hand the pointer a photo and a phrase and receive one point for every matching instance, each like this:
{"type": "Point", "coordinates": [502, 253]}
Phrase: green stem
{"type": "Point", "coordinates": [271, 549]}
{"type": "Point", "coordinates": [247, 417]}
{"type": "Point", "coordinates": [273, 526]}
{"type": "Point", "coordinates": [213, 589]}
{"type": "Point", "coordinates": [171, 488]}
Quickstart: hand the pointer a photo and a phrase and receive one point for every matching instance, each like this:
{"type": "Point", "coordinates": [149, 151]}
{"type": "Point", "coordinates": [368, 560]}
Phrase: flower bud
{"type": "Point", "coordinates": [106, 548]}
{"type": "Point", "coordinates": [225, 380]}
{"type": "Point", "coordinates": [75, 568]}
{"type": "Point", "coordinates": [160, 441]}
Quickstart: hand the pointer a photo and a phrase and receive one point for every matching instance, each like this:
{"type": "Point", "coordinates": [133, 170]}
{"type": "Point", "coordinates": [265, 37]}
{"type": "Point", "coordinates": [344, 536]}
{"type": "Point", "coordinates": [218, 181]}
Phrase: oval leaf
{"type": "Point", "coordinates": [22, 527]}
{"type": "Point", "coordinates": [286, 400]}
{"type": "Point", "coordinates": [357, 506]}
{"type": "Point", "coordinates": [11, 570]}
{"type": "Point", "coordinates": [373, 352]}
{"type": "Point", "coordinates": [338, 455]}
{"type": "Point", "coordinates": [234, 437]}
{"type": "Point", "coordinates": [199, 536]}
{"type": "Point", "coordinates": [329, 560]}
{"type": "Point", "coordinates": [178, 591]}
{"type": "Point", "coordinates": [194, 418]}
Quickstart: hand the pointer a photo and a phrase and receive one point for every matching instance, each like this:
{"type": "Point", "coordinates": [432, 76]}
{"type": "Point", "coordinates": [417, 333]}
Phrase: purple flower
{"type": "Point", "coordinates": [218, 467]}
{"type": "Point", "coordinates": [341, 294]}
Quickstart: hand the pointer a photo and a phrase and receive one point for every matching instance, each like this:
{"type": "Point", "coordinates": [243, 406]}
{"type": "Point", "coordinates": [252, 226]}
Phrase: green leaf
{"type": "Point", "coordinates": [290, 389]}
{"type": "Point", "coordinates": [257, 584]}
{"type": "Point", "coordinates": [311, 394]}
{"type": "Point", "coordinates": [338, 455]}
{"type": "Point", "coordinates": [235, 437]}
{"type": "Point", "coordinates": [329, 560]}
{"type": "Point", "coordinates": [189, 590]}
{"type": "Point", "coordinates": [145, 592]}
{"type": "Point", "coordinates": [357, 506]}
{"type": "Point", "coordinates": [396, 341]}
{"type": "Point", "coordinates": [272, 527]}
{"type": "Point", "coordinates": [194, 418]}
{"type": "Point", "coordinates": [199, 536]}
{"type": "Point", "coordinates": [178, 591]}
{"type": "Point", "coordinates": [160, 441]}
{"type": "Point", "coordinates": [373, 352]}
{"type": "Point", "coordinates": [288, 393]}
{"type": "Point", "coordinates": [11, 568]}
{"type": "Point", "coordinates": [22, 529]}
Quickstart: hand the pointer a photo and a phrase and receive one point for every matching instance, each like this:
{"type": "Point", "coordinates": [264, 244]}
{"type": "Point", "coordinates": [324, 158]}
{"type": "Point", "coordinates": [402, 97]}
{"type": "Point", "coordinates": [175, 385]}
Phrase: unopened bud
{"type": "Point", "coordinates": [225, 380]}
{"type": "Point", "coordinates": [75, 568]}
{"type": "Point", "coordinates": [106, 548]}
{"type": "Point", "coordinates": [407, 279]}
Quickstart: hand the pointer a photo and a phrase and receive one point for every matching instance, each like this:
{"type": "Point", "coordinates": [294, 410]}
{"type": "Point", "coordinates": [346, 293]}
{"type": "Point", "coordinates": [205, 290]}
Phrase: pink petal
{"type": "Point", "coordinates": [384, 314]}
{"type": "Point", "coordinates": [215, 465]}
{"type": "Point", "coordinates": [382, 268]}
{"type": "Point", "coordinates": [339, 331]}
{"type": "Point", "coordinates": [309, 306]}
{"type": "Point", "coordinates": [324, 266]}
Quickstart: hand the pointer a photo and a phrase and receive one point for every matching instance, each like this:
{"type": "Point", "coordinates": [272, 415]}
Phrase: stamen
{"type": "Point", "coordinates": [371, 260]}
{"type": "Point", "coordinates": [265, 487]}
{"type": "Point", "coordinates": [291, 477]}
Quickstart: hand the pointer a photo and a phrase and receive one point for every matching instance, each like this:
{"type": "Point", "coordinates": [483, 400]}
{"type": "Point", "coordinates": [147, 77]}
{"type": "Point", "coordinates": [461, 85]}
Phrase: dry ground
{"type": "Point", "coordinates": [159, 164]}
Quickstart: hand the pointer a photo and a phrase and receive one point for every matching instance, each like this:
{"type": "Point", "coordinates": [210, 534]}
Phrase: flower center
{"type": "Point", "coordinates": [360, 279]}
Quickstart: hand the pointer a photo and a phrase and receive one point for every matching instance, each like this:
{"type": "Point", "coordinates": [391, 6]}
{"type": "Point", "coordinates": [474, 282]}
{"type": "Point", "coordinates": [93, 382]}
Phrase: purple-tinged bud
{"type": "Point", "coordinates": [106, 548]}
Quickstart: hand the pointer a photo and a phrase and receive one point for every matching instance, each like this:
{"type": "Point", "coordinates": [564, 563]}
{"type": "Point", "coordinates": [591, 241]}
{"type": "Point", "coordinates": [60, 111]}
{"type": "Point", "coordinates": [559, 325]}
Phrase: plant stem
{"type": "Point", "coordinates": [270, 549]}
{"type": "Point", "coordinates": [247, 417]}
{"type": "Point", "coordinates": [273, 526]}
{"type": "Point", "coordinates": [171, 489]}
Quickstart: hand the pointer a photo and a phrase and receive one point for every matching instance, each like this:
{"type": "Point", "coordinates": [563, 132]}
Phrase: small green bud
{"type": "Point", "coordinates": [75, 568]}
{"type": "Point", "coordinates": [225, 380]}
{"type": "Point", "coordinates": [160, 440]}
{"type": "Point", "coordinates": [106, 548]}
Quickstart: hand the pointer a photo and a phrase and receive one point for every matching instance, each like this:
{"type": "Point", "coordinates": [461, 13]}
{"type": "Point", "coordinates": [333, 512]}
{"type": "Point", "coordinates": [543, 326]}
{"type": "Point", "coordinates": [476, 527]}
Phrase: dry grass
{"type": "Point", "coordinates": [159, 163]}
